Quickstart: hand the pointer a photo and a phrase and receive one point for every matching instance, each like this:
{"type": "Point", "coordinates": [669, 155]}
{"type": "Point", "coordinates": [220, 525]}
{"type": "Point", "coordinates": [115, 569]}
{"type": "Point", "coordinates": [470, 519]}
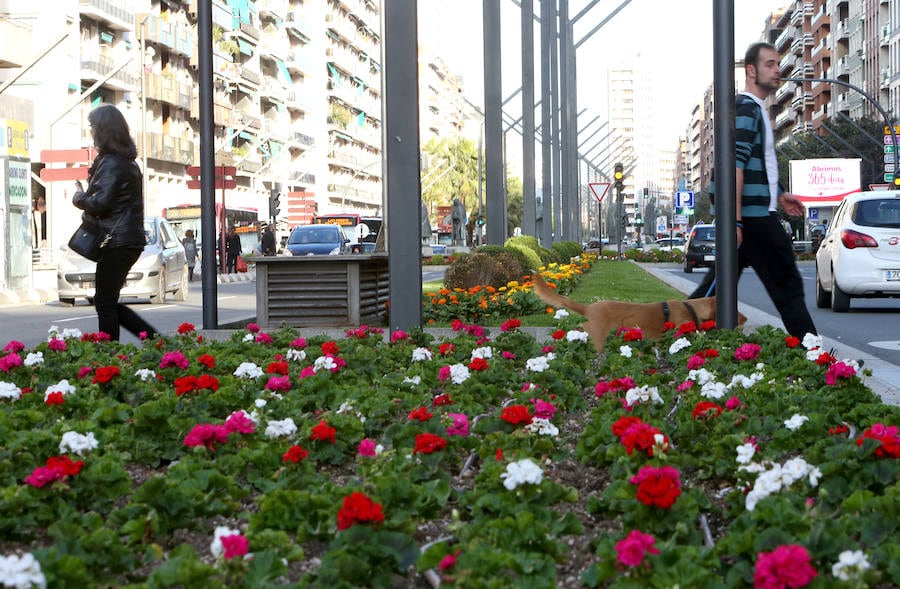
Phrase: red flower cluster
{"type": "Point", "coordinates": [614, 385]}
{"type": "Point", "coordinates": [558, 334]}
{"type": "Point", "coordinates": [708, 325]}
{"type": "Point", "coordinates": [668, 325]}
{"type": "Point", "coordinates": [446, 348]}
{"type": "Point", "coordinates": [442, 399]}
{"type": "Point", "coordinates": [330, 348]}
{"type": "Point", "coordinates": [55, 398]}
{"type": "Point", "coordinates": [55, 469]}
{"type": "Point", "coordinates": [323, 432]}
{"type": "Point", "coordinates": [280, 367]}
{"type": "Point", "coordinates": [207, 360]}
{"type": "Point", "coordinates": [427, 443]}
{"type": "Point", "coordinates": [294, 454]}
{"type": "Point", "coordinates": [657, 487]}
{"type": "Point", "coordinates": [633, 334]}
{"type": "Point", "coordinates": [787, 566]}
{"type": "Point", "coordinates": [191, 384]}
{"type": "Point", "coordinates": [887, 435]}
{"type": "Point", "coordinates": [478, 364]}
{"type": "Point", "coordinates": [839, 430]}
{"type": "Point", "coordinates": [706, 410]}
{"type": "Point", "coordinates": [186, 328]}
{"type": "Point", "coordinates": [791, 341]}
{"type": "Point", "coordinates": [358, 509]}
{"type": "Point", "coordinates": [634, 434]}
{"type": "Point", "coordinates": [104, 374]}
{"type": "Point", "coordinates": [516, 414]}
{"type": "Point", "coordinates": [685, 328]}
{"type": "Point", "coordinates": [825, 359]}
{"type": "Point", "coordinates": [420, 414]}
{"type": "Point", "coordinates": [100, 336]}
{"type": "Point", "coordinates": [510, 324]}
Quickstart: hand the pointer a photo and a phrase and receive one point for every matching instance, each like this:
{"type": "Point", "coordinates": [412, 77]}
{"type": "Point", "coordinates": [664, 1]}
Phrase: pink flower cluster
{"type": "Point", "coordinates": [208, 434]}
{"type": "Point", "coordinates": [748, 351]}
{"type": "Point", "coordinates": [543, 409]}
{"type": "Point", "coordinates": [10, 361]}
{"type": "Point", "coordinates": [14, 346]}
{"type": "Point", "coordinates": [786, 566]}
{"type": "Point", "coordinates": [174, 360]}
{"type": "Point", "coordinates": [614, 385]}
{"type": "Point", "coordinates": [636, 545]}
{"type": "Point", "coordinates": [460, 425]}
{"type": "Point", "coordinates": [475, 330]}
{"type": "Point", "coordinates": [55, 469]}
{"type": "Point", "coordinates": [837, 371]}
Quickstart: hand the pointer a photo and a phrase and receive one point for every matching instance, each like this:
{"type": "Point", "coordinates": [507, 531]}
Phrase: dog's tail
{"type": "Point", "coordinates": [551, 297]}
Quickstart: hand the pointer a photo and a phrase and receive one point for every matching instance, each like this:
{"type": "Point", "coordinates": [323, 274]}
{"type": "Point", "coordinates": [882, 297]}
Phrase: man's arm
{"type": "Point", "coordinates": [738, 199]}
{"type": "Point", "coordinates": [791, 204]}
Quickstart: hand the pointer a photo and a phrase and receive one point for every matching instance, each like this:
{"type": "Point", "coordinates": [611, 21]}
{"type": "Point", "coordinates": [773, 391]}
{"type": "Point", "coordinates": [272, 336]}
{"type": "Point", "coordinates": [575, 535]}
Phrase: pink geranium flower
{"type": "Point", "coordinates": [838, 371]}
{"type": "Point", "coordinates": [636, 545]}
{"type": "Point", "coordinates": [460, 425]}
{"type": "Point", "coordinates": [240, 422]}
{"type": "Point", "coordinates": [787, 566]}
{"type": "Point", "coordinates": [57, 344]}
{"type": "Point", "coordinates": [174, 360]}
{"type": "Point", "coordinates": [366, 447]}
{"type": "Point", "coordinates": [234, 546]}
{"type": "Point", "coordinates": [279, 383]}
{"type": "Point", "coordinates": [398, 336]}
{"type": "Point", "coordinates": [206, 434]}
{"type": "Point", "coordinates": [14, 346]}
{"type": "Point", "coordinates": [747, 352]}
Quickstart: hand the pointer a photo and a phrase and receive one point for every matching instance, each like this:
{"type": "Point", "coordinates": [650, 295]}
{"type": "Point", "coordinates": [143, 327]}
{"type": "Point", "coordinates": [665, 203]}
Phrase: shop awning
{"type": "Point", "coordinates": [245, 47]}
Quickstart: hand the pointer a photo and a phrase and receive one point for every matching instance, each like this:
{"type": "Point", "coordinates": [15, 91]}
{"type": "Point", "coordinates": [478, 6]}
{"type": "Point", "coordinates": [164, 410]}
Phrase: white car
{"type": "Point", "coordinates": [667, 244]}
{"type": "Point", "coordinates": [860, 255]}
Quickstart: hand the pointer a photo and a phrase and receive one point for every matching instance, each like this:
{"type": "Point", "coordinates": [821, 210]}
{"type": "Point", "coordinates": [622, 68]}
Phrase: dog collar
{"type": "Point", "coordinates": [666, 310]}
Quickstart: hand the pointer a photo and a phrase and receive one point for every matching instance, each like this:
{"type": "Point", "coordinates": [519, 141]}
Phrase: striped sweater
{"type": "Point", "coordinates": [749, 139]}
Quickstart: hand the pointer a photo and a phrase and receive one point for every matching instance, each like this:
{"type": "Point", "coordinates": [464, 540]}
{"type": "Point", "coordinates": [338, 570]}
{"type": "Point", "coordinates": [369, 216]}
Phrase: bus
{"type": "Point", "coordinates": [244, 220]}
{"type": "Point", "coordinates": [362, 231]}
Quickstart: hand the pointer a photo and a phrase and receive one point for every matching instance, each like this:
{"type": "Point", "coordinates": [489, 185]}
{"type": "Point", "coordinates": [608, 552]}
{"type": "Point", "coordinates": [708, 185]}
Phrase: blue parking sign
{"type": "Point", "coordinates": [684, 199]}
{"type": "Point", "coordinates": [813, 213]}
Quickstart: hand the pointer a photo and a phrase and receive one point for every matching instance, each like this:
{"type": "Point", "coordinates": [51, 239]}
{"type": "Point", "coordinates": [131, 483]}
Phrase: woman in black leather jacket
{"type": "Point", "coordinates": [115, 198]}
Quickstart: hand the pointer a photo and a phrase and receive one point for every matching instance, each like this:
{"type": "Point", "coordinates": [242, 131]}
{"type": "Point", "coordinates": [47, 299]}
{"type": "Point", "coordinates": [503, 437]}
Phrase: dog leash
{"type": "Point", "coordinates": [666, 310]}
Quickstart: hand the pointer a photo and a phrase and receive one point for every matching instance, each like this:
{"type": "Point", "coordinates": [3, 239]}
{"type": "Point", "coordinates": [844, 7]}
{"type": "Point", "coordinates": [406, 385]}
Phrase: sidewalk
{"type": "Point", "coordinates": [885, 378]}
{"type": "Point", "coordinates": [39, 296]}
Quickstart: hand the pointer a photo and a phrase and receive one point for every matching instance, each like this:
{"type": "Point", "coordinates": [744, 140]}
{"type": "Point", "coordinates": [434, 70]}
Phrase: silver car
{"type": "Point", "coordinates": [161, 269]}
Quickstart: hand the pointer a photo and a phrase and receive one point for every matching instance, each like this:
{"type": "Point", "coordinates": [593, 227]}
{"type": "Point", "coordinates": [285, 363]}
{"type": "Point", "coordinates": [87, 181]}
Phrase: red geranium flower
{"type": "Point", "coordinates": [706, 410]}
{"type": "Point", "coordinates": [358, 509]}
{"type": "Point", "coordinates": [684, 328]}
{"type": "Point", "coordinates": [330, 348]}
{"type": "Point", "coordinates": [633, 334]}
{"type": "Point", "coordinates": [185, 384]}
{"type": "Point", "coordinates": [427, 443]}
{"type": "Point", "coordinates": [55, 398]}
{"type": "Point", "coordinates": [510, 324]}
{"type": "Point", "coordinates": [294, 454]}
{"type": "Point", "coordinates": [791, 341]}
{"type": "Point", "coordinates": [559, 334]}
{"type": "Point", "coordinates": [887, 435]}
{"type": "Point", "coordinates": [324, 432]}
{"type": "Point", "coordinates": [104, 374]}
{"type": "Point", "coordinates": [421, 414]}
{"type": "Point", "coordinates": [478, 364]}
{"type": "Point", "coordinates": [707, 325]}
{"type": "Point", "coordinates": [186, 328]}
{"type": "Point", "coordinates": [443, 399]}
{"type": "Point", "coordinates": [657, 487]}
{"type": "Point", "coordinates": [623, 423]}
{"type": "Point", "coordinates": [446, 348]}
{"type": "Point", "coordinates": [208, 381]}
{"type": "Point", "coordinates": [207, 360]}
{"type": "Point", "coordinates": [280, 367]}
{"type": "Point", "coordinates": [516, 414]}
{"type": "Point", "coordinates": [668, 325]}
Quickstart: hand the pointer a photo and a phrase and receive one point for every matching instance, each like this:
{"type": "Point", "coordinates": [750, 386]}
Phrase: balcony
{"type": "Point", "coordinates": [885, 37]}
{"type": "Point", "coordinates": [843, 30]}
{"type": "Point", "coordinates": [822, 17]}
{"type": "Point", "coordinates": [783, 93]}
{"type": "Point", "coordinates": [298, 26]}
{"type": "Point", "coordinates": [274, 9]}
{"type": "Point", "coordinates": [244, 29]}
{"type": "Point", "coordinates": [165, 88]}
{"type": "Point", "coordinates": [163, 147]}
{"type": "Point", "coordinates": [294, 101]}
{"type": "Point", "coordinates": [96, 67]}
{"type": "Point", "coordinates": [788, 62]}
{"type": "Point", "coordinates": [784, 39]}
{"type": "Point", "coordinates": [251, 75]}
{"type": "Point", "coordinates": [843, 105]}
{"type": "Point", "coordinates": [885, 78]}
{"type": "Point", "coordinates": [805, 127]}
{"type": "Point", "coordinates": [802, 100]}
{"type": "Point", "coordinates": [116, 14]}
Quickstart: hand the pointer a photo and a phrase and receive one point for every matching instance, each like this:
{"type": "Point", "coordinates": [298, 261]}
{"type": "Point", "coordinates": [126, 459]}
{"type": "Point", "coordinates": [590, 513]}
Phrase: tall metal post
{"type": "Point", "coordinates": [207, 163]}
{"type": "Point", "coordinates": [566, 120]}
{"type": "Point", "coordinates": [495, 202]}
{"type": "Point", "coordinates": [546, 136]}
{"type": "Point", "coordinates": [403, 204]}
{"type": "Point", "coordinates": [554, 125]}
{"type": "Point", "coordinates": [528, 203]}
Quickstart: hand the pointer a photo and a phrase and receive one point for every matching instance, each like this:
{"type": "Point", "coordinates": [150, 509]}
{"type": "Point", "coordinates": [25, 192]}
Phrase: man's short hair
{"type": "Point", "coordinates": [752, 55]}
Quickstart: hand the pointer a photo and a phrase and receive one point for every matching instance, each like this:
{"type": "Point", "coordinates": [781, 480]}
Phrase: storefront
{"type": "Point", "coordinates": [15, 205]}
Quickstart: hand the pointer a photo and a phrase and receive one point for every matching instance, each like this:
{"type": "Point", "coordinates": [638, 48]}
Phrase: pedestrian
{"type": "Point", "coordinates": [267, 242]}
{"type": "Point", "coordinates": [114, 196]}
{"type": "Point", "coordinates": [190, 252]}
{"type": "Point", "coordinates": [232, 250]}
{"type": "Point", "coordinates": [761, 239]}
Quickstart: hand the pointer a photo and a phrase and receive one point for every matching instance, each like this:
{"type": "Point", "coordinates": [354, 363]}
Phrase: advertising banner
{"type": "Point", "coordinates": [824, 182]}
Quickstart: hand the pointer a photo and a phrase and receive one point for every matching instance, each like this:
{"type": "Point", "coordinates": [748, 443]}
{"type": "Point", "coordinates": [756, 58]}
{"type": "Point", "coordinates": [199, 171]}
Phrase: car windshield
{"type": "Point", "coordinates": [705, 233]}
{"type": "Point", "coordinates": [150, 230]}
{"type": "Point", "coordinates": [314, 235]}
{"type": "Point", "coordinates": [878, 213]}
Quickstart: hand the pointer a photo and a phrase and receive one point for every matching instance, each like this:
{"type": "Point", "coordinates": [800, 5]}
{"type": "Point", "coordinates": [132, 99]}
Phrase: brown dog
{"type": "Point", "coordinates": [604, 316]}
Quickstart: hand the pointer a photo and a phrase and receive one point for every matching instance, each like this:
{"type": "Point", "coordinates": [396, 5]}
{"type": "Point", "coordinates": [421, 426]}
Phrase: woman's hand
{"type": "Point", "coordinates": [78, 186]}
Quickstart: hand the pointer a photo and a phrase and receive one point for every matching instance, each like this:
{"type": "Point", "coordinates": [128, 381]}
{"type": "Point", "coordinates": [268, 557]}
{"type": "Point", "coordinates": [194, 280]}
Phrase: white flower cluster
{"type": "Point", "coordinates": [539, 364]}
{"type": "Point", "coordinates": [260, 403]}
{"type": "Point", "coordinates": [524, 471]}
{"type": "Point", "coordinates": [745, 381]}
{"type": "Point", "coordinates": [62, 386]}
{"type": "Point", "coordinates": [33, 359]}
{"type": "Point", "coordinates": [812, 341]}
{"type": "Point", "coordinates": [851, 565]}
{"type": "Point", "coordinates": [625, 351]}
{"type": "Point", "coordinates": [67, 333]}
{"type": "Point", "coordinates": [281, 428]}
{"type": "Point", "coordinates": [145, 374]}
{"type": "Point", "coordinates": [21, 572]}
{"type": "Point", "coordinates": [701, 376]}
{"type": "Point", "coordinates": [414, 380]}
{"type": "Point", "coordinates": [216, 546]}
{"type": "Point", "coordinates": [643, 394]}
{"type": "Point", "coordinates": [560, 314]}
{"type": "Point", "coordinates": [777, 477]}
{"type": "Point", "coordinates": [421, 355]}
{"type": "Point", "coordinates": [678, 345]}
{"type": "Point", "coordinates": [346, 407]}
{"type": "Point", "coordinates": [745, 453]}
{"type": "Point", "coordinates": [542, 427]}
{"type": "Point", "coordinates": [713, 390]}
{"type": "Point", "coordinates": [459, 373]}
{"type": "Point", "coordinates": [324, 363]}
{"type": "Point", "coordinates": [484, 352]}
{"type": "Point", "coordinates": [77, 443]}
{"type": "Point", "coordinates": [248, 370]}
{"type": "Point", "coordinates": [295, 355]}
{"type": "Point", "coordinates": [10, 391]}
{"type": "Point", "coordinates": [795, 421]}
{"type": "Point", "coordinates": [576, 335]}
{"type": "Point", "coordinates": [249, 338]}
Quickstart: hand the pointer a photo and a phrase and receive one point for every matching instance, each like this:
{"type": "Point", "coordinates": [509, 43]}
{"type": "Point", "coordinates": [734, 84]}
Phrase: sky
{"type": "Point", "coordinates": [675, 37]}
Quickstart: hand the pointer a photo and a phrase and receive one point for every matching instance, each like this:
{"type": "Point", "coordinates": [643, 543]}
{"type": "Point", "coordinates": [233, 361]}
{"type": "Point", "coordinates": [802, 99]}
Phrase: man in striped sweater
{"type": "Point", "coordinates": [761, 239]}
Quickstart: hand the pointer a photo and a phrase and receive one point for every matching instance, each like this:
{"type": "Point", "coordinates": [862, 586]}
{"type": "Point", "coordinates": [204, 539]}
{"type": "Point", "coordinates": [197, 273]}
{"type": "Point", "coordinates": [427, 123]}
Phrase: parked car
{"type": "Point", "coordinates": [860, 254]}
{"type": "Point", "coordinates": [667, 244]}
{"type": "Point", "coordinates": [317, 240]}
{"type": "Point", "coordinates": [161, 269]}
{"type": "Point", "coordinates": [700, 248]}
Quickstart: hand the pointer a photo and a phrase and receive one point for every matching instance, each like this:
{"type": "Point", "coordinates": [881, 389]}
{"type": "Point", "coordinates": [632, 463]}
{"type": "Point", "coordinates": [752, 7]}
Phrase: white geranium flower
{"type": "Point", "coordinates": [485, 353]}
{"type": "Point", "coordinates": [814, 474]}
{"type": "Point", "coordinates": [701, 376]}
{"type": "Point", "coordinates": [33, 359]}
{"type": "Point", "coordinates": [295, 355]}
{"type": "Point", "coordinates": [811, 341]}
{"type": "Point", "coordinates": [421, 355]}
{"type": "Point", "coordinates": [21, 572]}
{"type": "Point", "coordinates": [678, 345]}
{"type": "Point", "coordinates": [852, 364]}
{"type": "Point", "coordinates": [415, 380]}
{"type": "Point", "coordinates": [62, 386]}
{"type": "Point", "coordinates": [542, 427]}
{"type": "Point", "coordinates": [324, 363]}
{"type": "Point", "coordinates": [539, 364]}
{"type": "Point", "coordinates": [793, 470]}
{"type": "Point", "coordinates": [576, 335]}
{"type": "Point", "coordinates": [745, 381]}
{"type": "Point", "coordinates": [10, 391]}
{"type": "Point", "coordinates": [813, 354]}
{"type": "Point", "coordinates": [281, 428]}
{"type": "Point", "coordinates": [560, 314]}
{"type": "Point", "coordinates": [524, 471]}
{"type": "Point", "coordinates": [850, 565]}
{"type": "Point", "coordinates": [69, 332]}
{"type": "Point", "coordinates": [745, 453]}
{"type": "Point", "coordinates": [77, 443]}
{"type": "Point", "coordinates": [643, 394]}
{"type": "Point", "coordinates": [248, 370]}
{"type": "Point", "coordinates": [795, 421]}
{"type": "Point", "coordinates": [346, 407]}
{"type": "Point", "coordinates": [249, 338]}
{"type": "Point", "coordinates": [260, 403]}
{"type": "Point", "coordinates": [145, 374]}
{"type": "Point", "coordinates": [713, 390]}
{"type": "Point", "coordinates": [459, 373]}
{"type": "Point", "coordinates": [625, 351]}
{"type": "Point", "coordinates": [216, 546]}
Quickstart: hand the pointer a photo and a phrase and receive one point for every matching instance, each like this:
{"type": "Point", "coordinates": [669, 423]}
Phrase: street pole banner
{"type": "Point", "coordinates": [824, 182]}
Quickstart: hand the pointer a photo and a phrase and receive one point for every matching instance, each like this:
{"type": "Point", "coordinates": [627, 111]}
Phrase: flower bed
{"type": "Point", "coordinates": [707, 459]}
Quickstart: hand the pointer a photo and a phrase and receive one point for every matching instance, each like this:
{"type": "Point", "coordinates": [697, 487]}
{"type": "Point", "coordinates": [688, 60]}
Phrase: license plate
{"type": "Point", "coordinates": [87, 284]}
{"type": "Point", "coordinates": [709, 258]}
{"type": "Point", "coordinates": [892, 274]}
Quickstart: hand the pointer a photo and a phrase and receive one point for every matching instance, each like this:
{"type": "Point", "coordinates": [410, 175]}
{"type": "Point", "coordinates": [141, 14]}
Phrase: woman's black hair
{"type": "Point", "coordinates": [110, 130]}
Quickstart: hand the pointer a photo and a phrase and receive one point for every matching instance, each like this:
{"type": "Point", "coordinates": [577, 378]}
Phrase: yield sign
{"type": "Point", "coordinates": [599, 189]}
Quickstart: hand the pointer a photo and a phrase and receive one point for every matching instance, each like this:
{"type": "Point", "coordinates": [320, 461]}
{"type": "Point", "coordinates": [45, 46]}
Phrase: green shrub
{"type": "Point", "coordinates": [566, 250]}
{"type": "Point", "coordinates": [437, 260]}
{"type": "Point", "coordinates": [482, 269]}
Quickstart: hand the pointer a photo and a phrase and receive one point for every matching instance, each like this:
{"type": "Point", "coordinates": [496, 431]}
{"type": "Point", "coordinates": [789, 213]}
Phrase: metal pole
{"type": "Point", "coordinates": [207, 164]}
{"type": "Point", "coordinates": [495, 200]}
{"type": "Point", "coordinates": [7, 83]}
{"type": "Point", "coordinates": [546, 135]}
{"type": "Point", "coordinates": [480, 176]}
{"type": "Point", "coordinates": [142, 48]}
{"type": "Point", "coordinates": [529, 226]}
{"type": "Point", "coordinates": [567, 189]}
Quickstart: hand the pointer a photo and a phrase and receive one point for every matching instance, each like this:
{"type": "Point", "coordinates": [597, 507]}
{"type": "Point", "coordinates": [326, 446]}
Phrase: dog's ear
{"type": "Point", "coordinates": [741, 319]}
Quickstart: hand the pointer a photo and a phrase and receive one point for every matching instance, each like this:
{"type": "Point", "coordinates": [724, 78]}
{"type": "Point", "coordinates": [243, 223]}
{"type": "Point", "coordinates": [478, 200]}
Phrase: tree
{"type": "Point", "coordinates": [514, 203]}
{"type": "Point", "coordinates": [451, 173]}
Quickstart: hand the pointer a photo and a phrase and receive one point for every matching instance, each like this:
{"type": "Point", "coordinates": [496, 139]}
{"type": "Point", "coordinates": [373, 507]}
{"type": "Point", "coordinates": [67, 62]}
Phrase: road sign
{"type": "Point", "coordinates": [889, 168]}
{"type": "Point", "coordinates": [67, 156]}
{"type": "Point", "coordinates": [194, 171]}
{"type": "Point", "coordinates": [890, 149]}
{"type": "Point", "coordinates": [227, 183]}
{"type": "Point", "coordinates": [887, 130]}
{"type": "Point", "coordinates": [889, 178]}
{"type": "Point", "coordinates": [890, 158]}
{"type": "Point", "coordinates": [681, 219]}
{"type": "Point", "coordinates": [684, 199]}
{"type": "Point", "coordinates": [59, 174]}
{"type": "Point", "coordinates": [599, 189]}
{"type": "Point", "coordinates": [813, 212]}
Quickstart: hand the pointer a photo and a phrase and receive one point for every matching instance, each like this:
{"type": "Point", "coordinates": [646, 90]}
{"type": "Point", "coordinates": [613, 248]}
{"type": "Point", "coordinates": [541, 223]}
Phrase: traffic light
{"type": "Point", "coordinates": [480, 221]}
{"type": "Point", "coordinates": [619, 176]}
{"type": "Point", "coordinates": [274, 203]}
{"type": "Point", "coordinates": [897, 181]}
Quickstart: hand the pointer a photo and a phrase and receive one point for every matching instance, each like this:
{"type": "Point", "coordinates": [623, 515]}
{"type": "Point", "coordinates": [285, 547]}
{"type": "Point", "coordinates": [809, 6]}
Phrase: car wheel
{"type": "Point", "coordinates": [840, 301]}
{"type": "Point", "coordinates": [159, 297]}
{"type": "Point", "coordinates": [823, 297]}
{"type": "Point", "coordinates": [687, 267]}
{"type": "Point", "coordinates": [67, 302]}
{"type": "Point", "coordinates": [182, 293]}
